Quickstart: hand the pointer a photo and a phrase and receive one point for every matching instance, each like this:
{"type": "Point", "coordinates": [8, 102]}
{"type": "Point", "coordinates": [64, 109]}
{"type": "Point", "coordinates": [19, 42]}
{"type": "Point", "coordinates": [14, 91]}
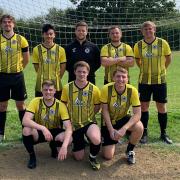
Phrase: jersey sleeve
{"type": "Point", "coordinates": [32, 107]}
{"type": "Point", "coordinates": [129, 51]}
{"type": "Point", "coordinates": [167, 49]}
{"type": "Point", "coordinates": [96, 94]}
{"type": "Point", "coordinates": [104, 95]}
{"type": "Point", "coordinates": [62, 55]}
{"type": "Point", "coordinates": [136, 51]}
{"type": "Point", "coordinates": [35, 57]}
{"type": "Point", "coordinates": [24, 42]}
{"type": "Point", "coordinates": [64, 95]}
{"type": "Point", "coordinates": [135, 98]}
{"type": "Point", "coordinates": [104, 51]}
{"type": "Point", "coordinates": [63, 112]}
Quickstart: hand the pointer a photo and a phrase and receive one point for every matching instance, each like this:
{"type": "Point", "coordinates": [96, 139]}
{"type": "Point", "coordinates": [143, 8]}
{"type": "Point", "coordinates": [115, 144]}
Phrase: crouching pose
{"type": "Point", "coordinates": [82, 99]}
{"type": "Point", "coordinates": [116, 98]}
{"type": "Point", "coordinates": [43, 121]}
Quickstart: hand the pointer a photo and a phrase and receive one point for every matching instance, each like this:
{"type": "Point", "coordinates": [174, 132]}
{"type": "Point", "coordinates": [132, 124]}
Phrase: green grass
{"type": "Point", "coordinates": [13, 129]}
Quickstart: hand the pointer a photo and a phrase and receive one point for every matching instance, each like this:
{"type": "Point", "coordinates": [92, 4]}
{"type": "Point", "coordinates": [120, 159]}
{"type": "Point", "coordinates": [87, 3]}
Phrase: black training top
{"type": "Point", "coordinates": [87, 52]}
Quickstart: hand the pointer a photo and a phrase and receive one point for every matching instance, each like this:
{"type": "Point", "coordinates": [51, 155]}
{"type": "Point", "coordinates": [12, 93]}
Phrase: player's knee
{"type": "Point", "coordinates": [107, 156]}
{"type": "Point", "coordinates": [27, 131]}
{"type": "Point", "coordinates": [96, 140]}
{"type": "Point", "coordinates": [78, 157]}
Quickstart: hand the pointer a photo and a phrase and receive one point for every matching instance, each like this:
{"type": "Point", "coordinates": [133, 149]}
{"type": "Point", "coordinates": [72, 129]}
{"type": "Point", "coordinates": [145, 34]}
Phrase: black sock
{"type": "Point", "coordinates": [2, 122]}
{"type": "Point", "coordinates": [94, 149]}
{"type": "Point", "coordinates": [29, 145]}
{"type": "Point", "coordinates": [162, 118]}
{"type": "Point", "coordinates": [144, 120]}
{"type": "Point", "coordinates": [21, 115]}
{"type": "Point", "coordinates": [130, 147]}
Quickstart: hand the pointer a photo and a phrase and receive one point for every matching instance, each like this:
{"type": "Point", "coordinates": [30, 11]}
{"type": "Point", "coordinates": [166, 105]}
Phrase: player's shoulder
{"type": "Point", "coordinates": [129, 86]}
{"type": "Point", "coordinates": [161, 39]}
{"type": "Point", "coordinates": [94, 86]}
{"type": "Point", "coordinates": [20, 36]}
{"type": "Point", "coordinates": [106, 45]}
{"type": "Point", "coordinates": [109, 85]}
{"type": "Point", "coordinates": [36, 100]}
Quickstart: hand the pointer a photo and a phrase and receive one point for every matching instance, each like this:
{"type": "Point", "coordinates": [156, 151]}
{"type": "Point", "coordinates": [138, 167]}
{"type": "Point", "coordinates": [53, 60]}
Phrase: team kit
{"type": "Point", "coordinates": [79, 114]}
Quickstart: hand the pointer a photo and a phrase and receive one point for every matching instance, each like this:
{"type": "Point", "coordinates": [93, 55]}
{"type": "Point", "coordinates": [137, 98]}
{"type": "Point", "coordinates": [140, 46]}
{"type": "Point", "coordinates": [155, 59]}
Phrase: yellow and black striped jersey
{"type": "Point", "coordinates": [119, 104]}
{"type": "Point", "coordinates": [81, 103]}
{"type": "Point", "coordinates": [48, 116]}
{"type": "Point", "coordinates": [152, 60]}
{"type": "Point", "coordinates": [11, 59]}
{"type": "Point", "coordinates": [109, 50]}
{"type": "Point", "coordinates": [49, 61]}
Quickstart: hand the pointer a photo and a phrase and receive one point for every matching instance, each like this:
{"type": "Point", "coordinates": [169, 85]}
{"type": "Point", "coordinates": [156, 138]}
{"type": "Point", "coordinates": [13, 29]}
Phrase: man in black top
{"type": "Point", "coordinates": [82, 50]}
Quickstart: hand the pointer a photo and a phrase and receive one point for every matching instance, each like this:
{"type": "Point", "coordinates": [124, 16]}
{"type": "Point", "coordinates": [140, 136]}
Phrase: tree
{"type": "Point", "coordinates": [128, 12]}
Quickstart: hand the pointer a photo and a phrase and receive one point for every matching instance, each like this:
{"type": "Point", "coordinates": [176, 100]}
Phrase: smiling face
{"type": "Point", "coordinates": [7, 25]}
{"type": "Point", "coordinates": [48, 92]}
{"type": "Point", "coordinates": [81, 33]}
{"type": "Point", "coordinates": [49, 36]}
{"type": "Point", "coordinates": [148, 31]}
{"type": "Point", "coordinates": [120, 78]}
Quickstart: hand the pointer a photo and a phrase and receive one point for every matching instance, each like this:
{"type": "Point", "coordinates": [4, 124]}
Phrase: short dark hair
{"type": "Point", "coordinates": [47, 27]}
{"type": "Point", "coordinates": [120, 69]}
{"type": "Point", "coordinates": [7, 16]}
{"type": "Point", "coordinates": [81, 23]}
{"type": "Point", "coordinates": [81, 64]}
{"type": "Point", "coordinates": [48, 83]}
{"type": "Point", "coordinates": [114, 27]}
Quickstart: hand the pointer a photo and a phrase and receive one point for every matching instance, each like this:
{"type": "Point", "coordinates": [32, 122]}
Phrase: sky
{"type": "Point", "coordinates": [32, 8]}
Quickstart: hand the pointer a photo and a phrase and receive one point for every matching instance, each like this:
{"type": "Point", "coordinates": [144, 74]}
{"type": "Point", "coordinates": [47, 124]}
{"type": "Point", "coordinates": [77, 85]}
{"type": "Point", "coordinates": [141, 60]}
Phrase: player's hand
{"type": "Point", "coordinates": [122, 59]}
{"type": "Point", "coordinates": [122, 131]}
{"type": "Point", "coordinates": [47, 134]}
{"type": "Point", "coordinates": [62, 153]}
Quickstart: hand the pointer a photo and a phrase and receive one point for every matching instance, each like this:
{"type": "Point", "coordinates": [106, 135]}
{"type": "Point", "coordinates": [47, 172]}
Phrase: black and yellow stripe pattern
{"type": "Point", "coordinates": [50, 117]}
{"type": "Point", "coordinates": [81, 103]}
{"type": "Point", "coordinates": [152, 60]}
{"type": "Point", "coordinates": [11, 53]}
{"type": "Point", "coordinates": [49, 61]}
{"type": "Point", "coordinates": [110, 51]}
{"type": "Point", "coordinates": [119, 104]}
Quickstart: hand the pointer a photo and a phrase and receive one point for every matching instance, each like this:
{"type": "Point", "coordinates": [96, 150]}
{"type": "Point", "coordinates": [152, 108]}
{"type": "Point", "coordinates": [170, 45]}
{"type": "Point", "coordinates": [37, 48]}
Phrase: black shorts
{"type": "Point", "coordinates": [159, 92]}
{"type": "Point", "coordinates": [79, 142]}
{"type": "Point", "coordinates": [12, 86]}
{"type": "Point", "coordinates": [57, 95]}
{"type": "Point", "coordinates": [106, 139]}
{"type": "Point", "coordinates": [54, 133]}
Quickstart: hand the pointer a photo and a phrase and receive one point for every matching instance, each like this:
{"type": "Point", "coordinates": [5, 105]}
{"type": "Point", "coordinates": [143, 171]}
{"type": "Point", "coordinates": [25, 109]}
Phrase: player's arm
{"type": "Point", "coordinates": [96, 108]}
{"type": "Point", "coordinates": [133, 120]}
{"type": "Point", "coordinates": [67, 138]}
{"type": "Point", "coordinates": [129, 62]}
{"type": "Point", "coordinates": [97, 61]}
{"type": "Point", "coordinates": [62, 69]}
{"type": "Point", "coordinates": [28, 122]}
{"type": "Point", "coordinates": [168, 60]}
{"type": "Point", "coordinates": [107, 119]}
{"type": "Point", "coordinates": [138, 62]}
{"type": "Point", "coordinates": [109, 61]}
{"type": "Point", "coordinates": [26, 56]}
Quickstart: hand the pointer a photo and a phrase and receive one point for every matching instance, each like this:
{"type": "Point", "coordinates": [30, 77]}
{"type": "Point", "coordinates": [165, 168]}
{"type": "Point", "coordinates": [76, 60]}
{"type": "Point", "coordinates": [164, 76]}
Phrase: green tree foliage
{"type": "Point", "coordinates": [105, 12]}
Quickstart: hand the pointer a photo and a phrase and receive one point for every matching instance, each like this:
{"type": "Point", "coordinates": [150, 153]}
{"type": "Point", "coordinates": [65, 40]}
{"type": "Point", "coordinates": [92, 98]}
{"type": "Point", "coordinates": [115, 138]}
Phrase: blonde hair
{"type": "Point", "coordinates": [120, 69]}
{"type": "Point", "coordinates": [148, 23]}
